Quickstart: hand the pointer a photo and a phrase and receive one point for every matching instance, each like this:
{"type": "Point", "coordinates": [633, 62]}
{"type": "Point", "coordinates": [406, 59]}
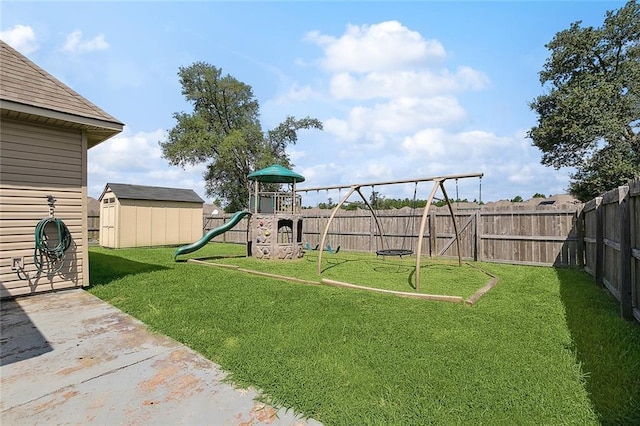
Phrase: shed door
{"type": "Point", "coordinates": [108, 231]}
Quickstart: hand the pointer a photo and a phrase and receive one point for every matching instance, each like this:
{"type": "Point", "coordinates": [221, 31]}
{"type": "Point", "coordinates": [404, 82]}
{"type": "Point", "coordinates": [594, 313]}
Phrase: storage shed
{"type": "Point", "coordinates": [144, 216]}
{"type": "Point", "coordinates": [45, 131]}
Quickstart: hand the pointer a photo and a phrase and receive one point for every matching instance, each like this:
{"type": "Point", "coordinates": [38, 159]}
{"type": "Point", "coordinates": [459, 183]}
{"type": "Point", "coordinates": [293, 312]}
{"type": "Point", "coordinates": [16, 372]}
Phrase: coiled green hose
{"type": "Point", "coordinates": [46, 257]}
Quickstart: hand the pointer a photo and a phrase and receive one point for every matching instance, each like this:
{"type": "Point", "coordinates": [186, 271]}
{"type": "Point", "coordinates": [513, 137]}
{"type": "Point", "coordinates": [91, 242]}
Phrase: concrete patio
{"type": "Point", "coordinates": [70, 358]}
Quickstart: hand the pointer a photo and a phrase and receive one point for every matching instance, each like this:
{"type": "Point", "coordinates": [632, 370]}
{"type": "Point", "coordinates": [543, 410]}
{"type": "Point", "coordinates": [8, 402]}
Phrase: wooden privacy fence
{"type": "Point", "coordinates": [611, 244]}
{"type": "Point", "coordinates": [93, 226]}
{"type": "Point", "coordinates": [602, 236]}
{"type": "Point", "coordinates": [515, 234]}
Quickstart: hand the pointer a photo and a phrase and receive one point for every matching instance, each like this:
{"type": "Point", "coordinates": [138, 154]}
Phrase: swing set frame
{"type": "Point", "coordinates": [438, 182]}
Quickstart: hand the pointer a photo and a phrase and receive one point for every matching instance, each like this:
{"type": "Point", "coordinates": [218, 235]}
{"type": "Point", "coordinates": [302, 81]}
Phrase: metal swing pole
{"type": "Point", "coordinates": [453, 219]}
{"type": "Point", "coordinates": [375, 217]}
{"type": "Point", "coordinates": [438, 183]}
{"type": "Point", "coordinates": [326, 229]}
{"type": "Point", "coordinates": [411, 220]}
{"type": "Point", "coordinates": [423, 224]}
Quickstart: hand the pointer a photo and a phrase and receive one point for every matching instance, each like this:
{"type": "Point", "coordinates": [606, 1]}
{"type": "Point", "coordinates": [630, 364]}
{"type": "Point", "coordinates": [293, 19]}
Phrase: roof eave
{"type": "Point", "coordinates": [98, 130]}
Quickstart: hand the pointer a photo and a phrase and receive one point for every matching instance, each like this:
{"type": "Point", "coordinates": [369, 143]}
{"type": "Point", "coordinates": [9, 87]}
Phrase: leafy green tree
{"type": "Point", "coordinates": [224, 131]}
{"type": "Point", "coordinates": [539, 195]}
{"type": "Point", "coordinates": [589, 119]}
{"type": "Point", "coordinates": [354, 205]}
{"type": "Point", "coordinates": [610, 167]}
{"type": "Point", "coordinates": [328, 205]}
{"type": "Point", "coordinates": [517, 199]}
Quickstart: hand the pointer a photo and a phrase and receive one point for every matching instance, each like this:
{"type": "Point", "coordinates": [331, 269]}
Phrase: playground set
{"type": "Point", "coordinates": [275, 226]}
{"type": "Point", "coordinates": [275, 218]}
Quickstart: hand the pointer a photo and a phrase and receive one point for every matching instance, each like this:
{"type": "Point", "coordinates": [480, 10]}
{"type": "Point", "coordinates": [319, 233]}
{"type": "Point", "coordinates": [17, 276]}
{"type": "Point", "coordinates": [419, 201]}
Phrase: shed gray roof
{"type": "Point", "coordinates": [29, 92]}
{"type": "Point", "coordinates": [155, 193]}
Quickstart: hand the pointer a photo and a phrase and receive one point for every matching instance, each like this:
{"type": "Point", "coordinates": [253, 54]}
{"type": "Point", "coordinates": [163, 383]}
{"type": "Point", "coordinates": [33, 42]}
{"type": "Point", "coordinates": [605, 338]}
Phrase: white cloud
{"type": "Point", "coordinates": [380, 47]}
{"type": "Point", "coordinates": [429, 144]}
{"type": "Point", "coordinates": [137, 159]}
{"type": "Point", "coordinates": [22, 38]}
{"type": "Point", "coordinates": [509, 171]}
{"type": "Point", "coordinates": [434, 144]}
{"type": "Point", "coordinates": [296, 154]}
{"type": "Point", "coordinates": [130, 152]}
{"type": "Point", "coordinates": [396, 103]}
{"type": "Point", "coordinates": [297, 94]}
{"type": "Point", "coordinates": [390, 62]}
{"type": "Point", "coordinates": [522, 174]}
{"type": "Point", "coordinates": [75, 44]}
{"type": "Point", "coordinates": [320, 174]}
{"type": "Point", "coordinates": [405, 83]}
{"type": "Point", "coordinates": [374, 171]}
{"type": "Point", "coordinates": [400, 115]}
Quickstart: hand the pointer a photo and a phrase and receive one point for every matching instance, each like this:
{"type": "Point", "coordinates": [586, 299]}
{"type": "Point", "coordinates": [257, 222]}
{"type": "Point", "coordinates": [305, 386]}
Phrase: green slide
{"type": "Point", "coordinates": [209, 235]}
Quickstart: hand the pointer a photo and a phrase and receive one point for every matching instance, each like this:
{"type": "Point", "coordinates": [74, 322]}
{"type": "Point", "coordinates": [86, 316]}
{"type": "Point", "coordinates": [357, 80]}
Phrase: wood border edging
{"type": "Point", "coordinates": [420, 296]}
{"type": "Point", "coordinates": [438, 297]}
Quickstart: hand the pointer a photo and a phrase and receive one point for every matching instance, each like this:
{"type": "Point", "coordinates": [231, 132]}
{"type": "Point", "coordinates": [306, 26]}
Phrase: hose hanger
{"type": "Point", "coordinates": [52, 240]}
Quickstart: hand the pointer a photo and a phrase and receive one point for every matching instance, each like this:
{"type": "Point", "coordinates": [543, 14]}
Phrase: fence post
{"type": "Point", "coordinates": [626, 303]}
{"type": "Point", "coordinates": [476, 239]}
{"type": "Point", "coordinates": [224, 234]}
{"type": "Point", "coordinates": [634, 219]}
{"type": "Point", "coordinates": [599, 240]}
{"type": "Point", "coordinates": [580, 244]}
{"type": "Point", "coordinates": [372, 234]}
{"type": "Point", "coordinates": [433, 237]}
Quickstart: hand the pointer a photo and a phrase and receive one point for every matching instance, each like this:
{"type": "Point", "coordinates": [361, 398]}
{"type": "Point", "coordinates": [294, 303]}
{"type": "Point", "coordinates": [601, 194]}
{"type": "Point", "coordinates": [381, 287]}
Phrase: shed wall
{"type": "Point", "coordinates": [37, 161]}
{"type": "Point", "coordinates": [146, 223]}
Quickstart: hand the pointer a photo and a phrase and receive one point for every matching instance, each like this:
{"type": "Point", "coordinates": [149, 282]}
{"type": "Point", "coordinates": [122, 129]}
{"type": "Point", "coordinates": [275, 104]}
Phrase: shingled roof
{"type": "Point", "coordinates": [155, 193]}
{"type": "Point", "coordinates": [30, 93]}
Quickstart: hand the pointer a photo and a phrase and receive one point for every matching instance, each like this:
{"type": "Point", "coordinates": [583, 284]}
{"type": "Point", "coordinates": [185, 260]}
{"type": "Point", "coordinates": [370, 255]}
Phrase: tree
{"type": "Point", "coordinates": [224, 132]}
{"type": "Point", "coordinates": [539, 195]}
{"type": "Point", "coordinates": [376, 200]}
{"type": "Point", "coordinates": [328, 205]}
{"type": "Point", "coordinates": [590, 117]}
{"type": "Point", "coordinates": [517, 199]}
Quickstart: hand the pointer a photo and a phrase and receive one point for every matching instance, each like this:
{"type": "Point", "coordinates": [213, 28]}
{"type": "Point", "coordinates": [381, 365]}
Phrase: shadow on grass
{"type": "Point", "coordinates": [412, 273]}
{"type": "Point", "coordinates": [607, 347]}
{"type": "Point", "coordinates": [105, 268]}
{"type": "Point", "coordinates": [217, 257]}
{"type": "Point", "coordinates": [330, 260]}
{"type": "Point", "coordinates": [390, 267]}
{"type": "Point", "coordinates": [333, 263]}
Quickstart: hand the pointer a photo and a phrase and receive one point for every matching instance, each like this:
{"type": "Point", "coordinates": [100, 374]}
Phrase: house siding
{"type": "Point", "coordinates": [38, 161]}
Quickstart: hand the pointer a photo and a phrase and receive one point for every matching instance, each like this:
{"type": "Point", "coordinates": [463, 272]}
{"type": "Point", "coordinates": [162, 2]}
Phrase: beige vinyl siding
{"type": "Point", "coordinates": [37, 161]}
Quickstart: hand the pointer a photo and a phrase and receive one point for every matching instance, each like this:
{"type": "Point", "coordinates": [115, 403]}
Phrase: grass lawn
{"type": "Point", "coordinates": [545, 346]}
{"type": "Point", "coordinates": [442, 276]}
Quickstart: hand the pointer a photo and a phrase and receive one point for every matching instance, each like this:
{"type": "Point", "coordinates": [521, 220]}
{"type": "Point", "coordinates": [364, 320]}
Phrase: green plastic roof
{"type": "Point", "coordinates": [276, 174]}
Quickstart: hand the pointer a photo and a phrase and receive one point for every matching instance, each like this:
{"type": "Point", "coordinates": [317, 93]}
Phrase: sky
{"type": "Point", "coordinates": [404, 89]}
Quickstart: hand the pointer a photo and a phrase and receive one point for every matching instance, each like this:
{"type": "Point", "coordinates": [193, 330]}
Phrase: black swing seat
{"type": "Point", "coordinates": [394, 252]}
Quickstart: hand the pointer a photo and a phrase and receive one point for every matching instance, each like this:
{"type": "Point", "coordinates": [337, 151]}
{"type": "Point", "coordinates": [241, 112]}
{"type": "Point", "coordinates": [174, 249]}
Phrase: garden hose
{"type": "Point", "coordinates": [46, 257]}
